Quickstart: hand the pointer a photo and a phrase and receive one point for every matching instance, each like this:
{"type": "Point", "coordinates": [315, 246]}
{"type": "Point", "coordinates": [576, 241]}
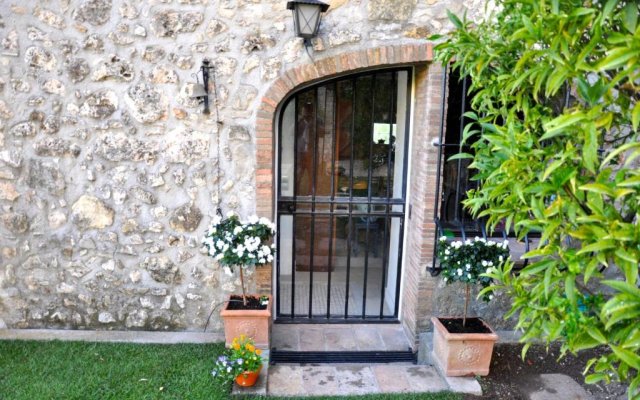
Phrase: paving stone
{"type": "Point", "coordinates": [355, 379]}
{"type": "Point", "coordinates": [319, 380]}
{"type": "Point", "coordinates": [339, 339]}
{"type": "Point", "coordinates": [557, 386]}
{"type": "Point", "coordinates": [425, 378]}
{"type": "Point", "coordinates": [467, 385]}
{"type": "Point", "coordinates": [285, 380]}
{"type": "Point", "coordinates": [285, 337]}
{"type": "Point", "coordinates": [391, 379]}
{"type": "Point", "coordinates": [311, 339]}
{"type": "Point", "coordinates": [394, 338]}
{"type": "Point", "coordinates": [368, 339]}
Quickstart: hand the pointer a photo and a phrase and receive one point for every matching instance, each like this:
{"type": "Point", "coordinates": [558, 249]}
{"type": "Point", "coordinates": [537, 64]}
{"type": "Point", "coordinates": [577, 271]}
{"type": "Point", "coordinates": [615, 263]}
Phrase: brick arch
{"type": "Point", "coordinates": [287, 82]}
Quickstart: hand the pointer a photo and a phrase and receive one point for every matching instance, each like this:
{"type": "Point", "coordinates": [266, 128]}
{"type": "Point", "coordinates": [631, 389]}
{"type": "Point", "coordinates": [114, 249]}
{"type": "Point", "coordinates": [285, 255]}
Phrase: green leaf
{"type": "Point", "coordinates": [595, 333]}
{"type": "Point", "coordinates": [598, 188]}
{"type": "Point", "coordinates": [460, 156]}
{"type": "Point", "coordinates": [625, 255]}
{"type": "Point", "coordinates": [617, 58]}
{"type": "Point", "coordinates": [525, 348]}
{"type": "Point", "coordinates": [570, 288]}
{"type": "Point", "coordinates": [616, 152]}
{"type": "Point", "coordinates": [555, 81]}
{"type": "Point", "coordinates": [627, 356]}
{"type": "Point", "coordinates": [608, 7]}
{"type": "Point", "coordinates": [633, 340]}
{"type": "Point", "coordinates": [583, 342]}
{"type": "Point", "coordinates": [595, 378]}
{"type": "Point", "coordinates": [590, 151]}
{"type": "Point", "coordinates": [623, 287]}
{"type": "Point", "coordinates": [630, 14]}
{"type": "Point", "coordinates": [600, 245]}
{"type": "Point", "coordinates": [550, 168]}
{"type": "Point", "coordinates": [536, 267]}
{"type": "Point", "coordinates": [591, 268]}
{"type": "Point", "coordinates": [556, 126]}
{"type": "Point", "coordinates": [635, 116]}
{"type": "Point", "coordinates": [633, 388]}
{"type": "Point", "coordinates": [633, 181]}
{"type": "Point", "coordinates": [455, 20]}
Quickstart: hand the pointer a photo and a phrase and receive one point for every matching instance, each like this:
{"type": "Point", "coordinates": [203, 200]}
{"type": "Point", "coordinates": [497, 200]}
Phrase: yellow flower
{"type": "Point", "coordinates": [242, 337]}
{"type": "Point", "coordinates": [258, 351]}
{"type": "Point", "coordinates": [250, 347]}
{"type": "Point", "coordinates": [236, 346]}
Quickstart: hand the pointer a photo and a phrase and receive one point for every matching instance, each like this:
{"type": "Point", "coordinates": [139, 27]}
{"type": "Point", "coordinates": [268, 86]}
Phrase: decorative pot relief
{"type": "Point", "coordinates": [249, 328]}
{"type": "Point", "coordinates": [469, 355]}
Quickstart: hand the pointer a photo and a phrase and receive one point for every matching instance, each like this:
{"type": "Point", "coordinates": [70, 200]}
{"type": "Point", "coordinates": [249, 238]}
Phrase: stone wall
{"type": "Point", "coordinates": [108, 168]}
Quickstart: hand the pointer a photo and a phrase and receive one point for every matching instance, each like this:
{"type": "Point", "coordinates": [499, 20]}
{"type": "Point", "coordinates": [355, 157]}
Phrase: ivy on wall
{"type": "Point", "coordinates": [555, 110]}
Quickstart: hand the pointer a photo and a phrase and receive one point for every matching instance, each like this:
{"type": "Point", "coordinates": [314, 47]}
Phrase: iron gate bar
{"type": "Point", "coordinates": [462, 111]}
{"type": "Point", "coordinates": [295, 191]}
{"type": "Point", "coordinates": [350, 218]}
{"type": "Point", "coordinates": [405, 163]}
{"type": "Point", "coordinates": [314, 177]}
{"type": "Point", "coordinates": [385, 239]}
{"type": "Point", "coordinates": [369, 185]}
{"type": "Point", "coordinates": [331, 205]}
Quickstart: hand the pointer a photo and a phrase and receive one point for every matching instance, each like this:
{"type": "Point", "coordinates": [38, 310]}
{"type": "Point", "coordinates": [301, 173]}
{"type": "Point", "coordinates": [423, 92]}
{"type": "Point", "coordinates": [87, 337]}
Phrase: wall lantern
{"type": "Point", "coordinates": [201, 91]}
{"type": "Point", "coordinates": [306, 17]}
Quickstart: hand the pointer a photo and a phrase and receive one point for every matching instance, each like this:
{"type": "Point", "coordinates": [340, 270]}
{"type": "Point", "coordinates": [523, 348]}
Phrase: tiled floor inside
{"type": "Point", "coordinates": [347, 337]}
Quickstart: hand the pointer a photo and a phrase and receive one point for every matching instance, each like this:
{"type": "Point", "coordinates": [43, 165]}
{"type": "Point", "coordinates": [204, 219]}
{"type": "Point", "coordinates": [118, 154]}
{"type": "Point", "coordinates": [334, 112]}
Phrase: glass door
{"type": "Point", "coordinates": [341, 199]}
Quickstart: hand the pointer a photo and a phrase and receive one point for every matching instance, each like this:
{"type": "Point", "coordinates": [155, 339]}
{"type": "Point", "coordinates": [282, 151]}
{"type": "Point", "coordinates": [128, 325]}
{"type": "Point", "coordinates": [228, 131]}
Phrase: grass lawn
{"type": "Point", "coordinates": [79, 370]}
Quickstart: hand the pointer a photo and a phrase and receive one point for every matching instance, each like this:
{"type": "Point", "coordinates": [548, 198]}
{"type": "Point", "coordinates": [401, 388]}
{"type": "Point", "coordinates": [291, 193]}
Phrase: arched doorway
{"type": "Point", "coordinates": [341, 199]}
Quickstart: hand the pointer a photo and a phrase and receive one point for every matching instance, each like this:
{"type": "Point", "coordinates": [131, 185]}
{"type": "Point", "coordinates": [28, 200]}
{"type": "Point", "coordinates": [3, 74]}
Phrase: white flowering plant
{"type": "Point", "coordinates": [244, 244]}
{"type": "Point", "coordinates": [470, 262]}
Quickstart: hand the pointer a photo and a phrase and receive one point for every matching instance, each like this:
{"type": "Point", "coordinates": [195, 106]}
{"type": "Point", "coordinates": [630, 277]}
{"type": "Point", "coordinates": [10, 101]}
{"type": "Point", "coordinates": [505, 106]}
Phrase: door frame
{"type": "Point", "coordinates": [409, 115]}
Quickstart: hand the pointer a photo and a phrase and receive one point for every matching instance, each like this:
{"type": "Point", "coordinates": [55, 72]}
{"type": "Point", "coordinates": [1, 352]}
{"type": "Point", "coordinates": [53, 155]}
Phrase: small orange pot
{"type": "Point", "coordinates": [248, 378]}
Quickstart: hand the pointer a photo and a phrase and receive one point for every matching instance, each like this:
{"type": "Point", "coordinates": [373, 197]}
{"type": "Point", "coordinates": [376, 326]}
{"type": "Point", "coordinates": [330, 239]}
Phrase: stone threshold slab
{"type": "Point", "coordinates": [111, 336]}
{"type": "Point", "coordinates": [303, 380]}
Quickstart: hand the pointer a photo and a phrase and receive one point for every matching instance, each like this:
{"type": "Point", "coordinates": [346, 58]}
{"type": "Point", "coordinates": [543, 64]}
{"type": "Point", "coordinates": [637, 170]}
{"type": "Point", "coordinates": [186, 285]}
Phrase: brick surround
{"type": "Point", "coordinates": [417, 284]}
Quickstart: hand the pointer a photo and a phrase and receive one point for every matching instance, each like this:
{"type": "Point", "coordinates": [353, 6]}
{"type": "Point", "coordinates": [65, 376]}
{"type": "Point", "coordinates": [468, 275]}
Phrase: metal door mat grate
{"type": "Point", "coordinates": [332, 357]}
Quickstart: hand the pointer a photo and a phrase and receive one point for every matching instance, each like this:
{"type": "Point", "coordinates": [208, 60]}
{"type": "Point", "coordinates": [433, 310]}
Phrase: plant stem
{"type": "Point", "coordinates": [244, 296]}
{"type": "Point", "coordinates": [466, 304]}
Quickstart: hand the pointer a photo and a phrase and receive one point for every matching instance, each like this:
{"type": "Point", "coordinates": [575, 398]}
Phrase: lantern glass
{"type": "Point", "coordinates": [307, 19]}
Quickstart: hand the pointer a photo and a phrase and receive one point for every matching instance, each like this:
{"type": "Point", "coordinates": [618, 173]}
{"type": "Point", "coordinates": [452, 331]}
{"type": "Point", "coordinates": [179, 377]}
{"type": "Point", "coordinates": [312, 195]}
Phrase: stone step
{"type": "Point", "coordinates": [353, 379]}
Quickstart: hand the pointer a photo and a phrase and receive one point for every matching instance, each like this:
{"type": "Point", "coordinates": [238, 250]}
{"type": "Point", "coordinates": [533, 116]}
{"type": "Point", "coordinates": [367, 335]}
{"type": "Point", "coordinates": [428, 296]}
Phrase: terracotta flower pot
{"type": "Point", "coordinates": [248, 378]}
{"type": "Point", "coordinates": [255, 324]}
{"type": "Point", "coordinates": [462, 354]}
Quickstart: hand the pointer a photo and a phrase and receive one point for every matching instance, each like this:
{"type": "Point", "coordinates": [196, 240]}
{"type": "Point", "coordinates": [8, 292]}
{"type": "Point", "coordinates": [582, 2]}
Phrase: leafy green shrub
{"type": "Point", "coordinates": [555, 141]}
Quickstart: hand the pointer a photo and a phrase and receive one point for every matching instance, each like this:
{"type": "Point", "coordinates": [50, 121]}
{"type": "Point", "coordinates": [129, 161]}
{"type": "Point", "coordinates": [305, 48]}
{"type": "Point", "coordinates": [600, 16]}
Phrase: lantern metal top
{"type": "Point", "coordinates": [323, 6]}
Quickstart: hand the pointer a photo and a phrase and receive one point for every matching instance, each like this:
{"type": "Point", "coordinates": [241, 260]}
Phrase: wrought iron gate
{"type": "Point", "coordinates": [341, 199]}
